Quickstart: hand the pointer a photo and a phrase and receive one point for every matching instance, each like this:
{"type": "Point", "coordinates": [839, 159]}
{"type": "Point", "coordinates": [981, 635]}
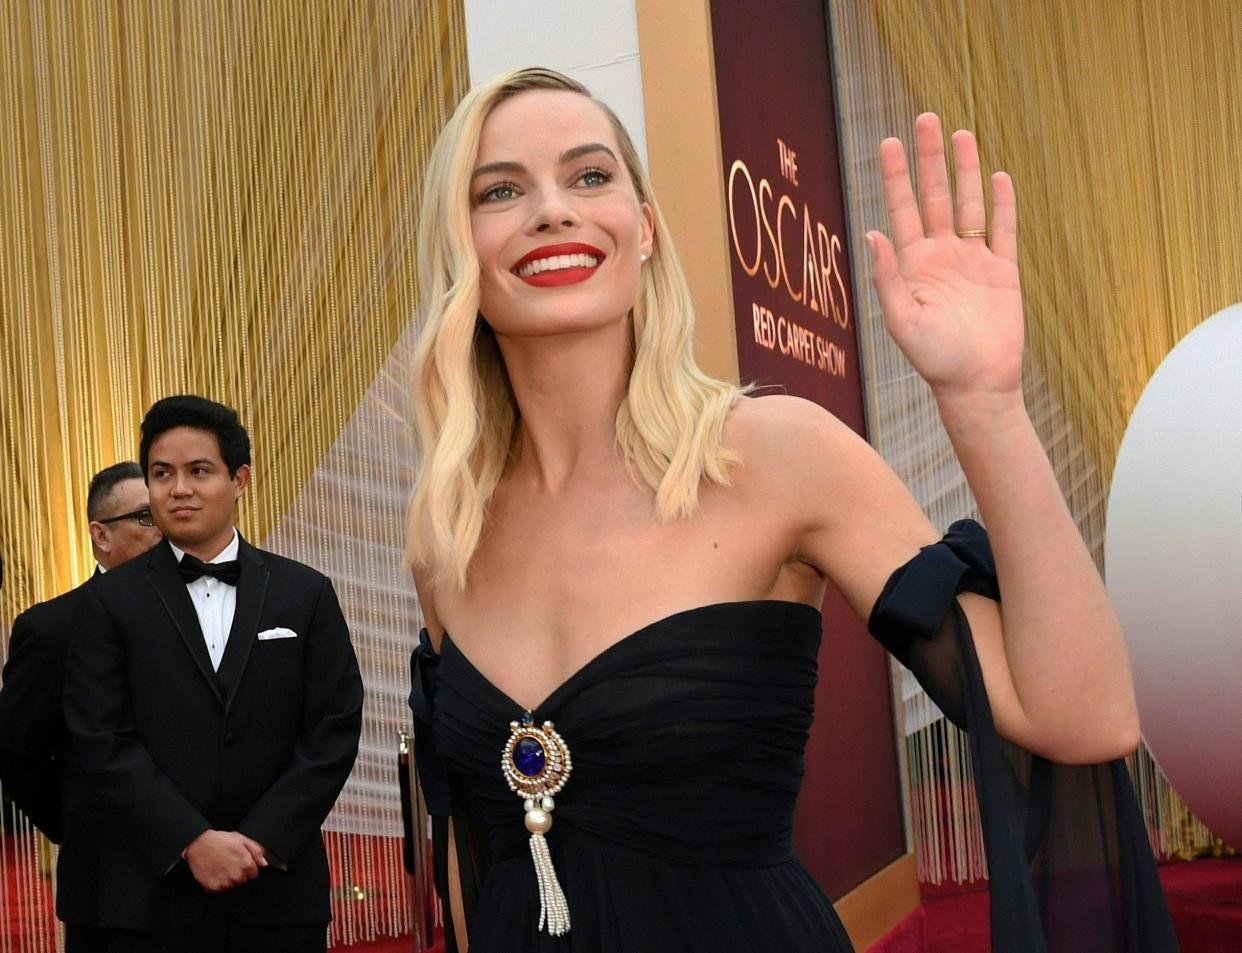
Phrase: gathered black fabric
{"type": "Point", "coordinates": [675, 831]}
{"type": "Point", "coordinates": [1070, 867]}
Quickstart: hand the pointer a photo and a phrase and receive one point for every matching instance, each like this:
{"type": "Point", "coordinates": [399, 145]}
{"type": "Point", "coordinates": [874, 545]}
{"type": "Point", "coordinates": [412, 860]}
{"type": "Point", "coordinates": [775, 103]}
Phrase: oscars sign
{"type": "Point", "coordinates": [797, 255]}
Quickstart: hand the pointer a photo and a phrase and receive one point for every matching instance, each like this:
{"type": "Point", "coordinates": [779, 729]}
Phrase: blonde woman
{"type": "Point", "coordinates": [620, 560]}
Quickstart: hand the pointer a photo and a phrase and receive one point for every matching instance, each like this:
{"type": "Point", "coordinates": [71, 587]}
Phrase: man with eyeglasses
{"type": "Point", "coordinates": [36, 765]}
{"type": "Point", "coordinates": [119, 509]}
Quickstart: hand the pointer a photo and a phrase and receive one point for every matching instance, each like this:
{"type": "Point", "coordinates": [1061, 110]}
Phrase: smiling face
{"type": "Point", "coordinates": [192, 494]}
{"type": "Point", "coordinates": [558, 226]}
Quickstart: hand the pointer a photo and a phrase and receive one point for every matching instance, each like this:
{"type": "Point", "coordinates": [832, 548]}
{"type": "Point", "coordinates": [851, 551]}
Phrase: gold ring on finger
{"type": "Point", "coordinates": [973, 233]}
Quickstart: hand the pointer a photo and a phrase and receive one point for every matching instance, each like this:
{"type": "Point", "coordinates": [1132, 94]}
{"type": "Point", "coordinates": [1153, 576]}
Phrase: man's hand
{"type": "Point", "coordinates": [257, 851]}
{"type": "Point", "coordinates": [223, 859]}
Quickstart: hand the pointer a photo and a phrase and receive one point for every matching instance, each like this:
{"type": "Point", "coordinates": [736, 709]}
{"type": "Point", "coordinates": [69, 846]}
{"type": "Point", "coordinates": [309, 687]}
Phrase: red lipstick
{"type": "Point", "coordinates": [560, 276]}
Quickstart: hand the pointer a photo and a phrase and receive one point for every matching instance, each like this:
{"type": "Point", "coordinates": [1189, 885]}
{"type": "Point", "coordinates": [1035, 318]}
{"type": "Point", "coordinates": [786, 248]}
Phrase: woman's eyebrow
{"type": "Point", "coordinates": [586, 149]}
{"type": "Point", "coordinates": [567, 156]}
{"type": "Point", "coordinates": [506, 166]}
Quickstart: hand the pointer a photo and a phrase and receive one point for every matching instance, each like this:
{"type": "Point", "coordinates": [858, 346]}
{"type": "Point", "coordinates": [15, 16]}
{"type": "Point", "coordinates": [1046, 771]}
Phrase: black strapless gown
{"type": "Point", "coordinates": [675, 830]}
{"type": "Point", "coordinates": [674, 833]}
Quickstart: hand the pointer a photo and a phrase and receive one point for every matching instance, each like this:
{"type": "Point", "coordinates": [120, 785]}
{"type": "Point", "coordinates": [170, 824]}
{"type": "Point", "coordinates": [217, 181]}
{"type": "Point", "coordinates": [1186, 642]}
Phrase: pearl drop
{"type": "Point", "coordinates": [548, 804]}
{"type": "Point", "coordinates": [538, 822]}
{"type": "Point", "coordinates": [528, 804]}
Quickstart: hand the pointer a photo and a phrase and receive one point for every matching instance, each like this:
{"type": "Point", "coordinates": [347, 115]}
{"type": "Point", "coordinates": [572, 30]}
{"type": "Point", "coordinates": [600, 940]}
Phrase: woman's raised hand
{"type": "Point", "coordinates": [952, 303]}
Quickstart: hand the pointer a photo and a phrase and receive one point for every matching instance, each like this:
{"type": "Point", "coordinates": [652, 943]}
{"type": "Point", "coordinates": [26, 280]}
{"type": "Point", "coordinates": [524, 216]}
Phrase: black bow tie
{"type": "Point", "coordinates": [192, 568]}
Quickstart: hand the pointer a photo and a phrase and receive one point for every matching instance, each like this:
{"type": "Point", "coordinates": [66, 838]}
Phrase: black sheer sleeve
{"type": "Point", "coordinates": [1070, 867]}
{"type": "Point", "coordinates": [445, 799]}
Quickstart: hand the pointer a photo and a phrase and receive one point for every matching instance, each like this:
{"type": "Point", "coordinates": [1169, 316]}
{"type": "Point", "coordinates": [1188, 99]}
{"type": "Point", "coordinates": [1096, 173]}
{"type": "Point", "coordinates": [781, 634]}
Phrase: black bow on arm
{"type": "Point", "coordinates": [192, 568]}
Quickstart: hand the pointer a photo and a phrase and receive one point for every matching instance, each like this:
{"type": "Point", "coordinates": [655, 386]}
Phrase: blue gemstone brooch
{"type": "Point", "coordinates": [536, 763]}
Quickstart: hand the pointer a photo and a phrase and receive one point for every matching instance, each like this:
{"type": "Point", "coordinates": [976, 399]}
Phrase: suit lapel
{"type": "Point", "coordinates": [164, 578]}
{"type": "Point", "coordinates": [251, 591]}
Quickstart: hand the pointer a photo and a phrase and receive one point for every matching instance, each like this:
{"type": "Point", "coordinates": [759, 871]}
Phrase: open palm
{"type": "Point", "coordinates": [951, 302]}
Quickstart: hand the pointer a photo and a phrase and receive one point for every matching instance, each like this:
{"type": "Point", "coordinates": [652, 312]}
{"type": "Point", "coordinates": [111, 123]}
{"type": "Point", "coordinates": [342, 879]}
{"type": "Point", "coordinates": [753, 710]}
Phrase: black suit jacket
{"type": "Point", "coordinates": [36, 766]}
{"type": "Point", "coordinates": [262, 747]}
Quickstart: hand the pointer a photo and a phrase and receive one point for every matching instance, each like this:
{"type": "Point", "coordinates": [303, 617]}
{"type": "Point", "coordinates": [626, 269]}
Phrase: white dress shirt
{"type": "Point", "coordinates": [214, 602]}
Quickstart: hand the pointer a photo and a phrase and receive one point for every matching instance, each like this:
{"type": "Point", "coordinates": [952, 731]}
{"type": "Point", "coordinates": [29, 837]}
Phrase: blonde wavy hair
{"type": "Point", "coordinates": [669, 427]}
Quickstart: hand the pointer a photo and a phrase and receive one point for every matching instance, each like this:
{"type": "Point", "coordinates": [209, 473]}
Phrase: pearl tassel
{"type": "Point", "coordinates": [553, 907]}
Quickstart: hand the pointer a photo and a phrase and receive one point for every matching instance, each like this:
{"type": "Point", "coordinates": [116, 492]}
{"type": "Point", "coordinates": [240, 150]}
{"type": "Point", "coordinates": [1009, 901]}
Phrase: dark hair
{"type": "Point", "coordinates": [105, 481]}
{"type": "Point", "coordinates": [187, 410]}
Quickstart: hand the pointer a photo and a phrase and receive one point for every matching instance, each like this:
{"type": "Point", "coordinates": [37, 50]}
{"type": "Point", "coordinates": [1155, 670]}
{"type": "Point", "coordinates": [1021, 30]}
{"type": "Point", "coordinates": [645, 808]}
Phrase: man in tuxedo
{"type": "Point", "coordinates": [36, 767]}
{"type": "Point", "coordinates": [216, 699]}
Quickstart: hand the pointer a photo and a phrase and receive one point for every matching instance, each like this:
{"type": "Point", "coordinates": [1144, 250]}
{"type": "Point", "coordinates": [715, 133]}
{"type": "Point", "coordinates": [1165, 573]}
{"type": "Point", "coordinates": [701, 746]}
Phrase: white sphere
{"type": "Point", "coordinates": [538, 821]}
{"type": "Point", "coordinates": [1173, 560]}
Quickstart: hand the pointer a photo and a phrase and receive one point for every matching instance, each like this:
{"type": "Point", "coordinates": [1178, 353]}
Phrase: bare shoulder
{"type": "Point", "coordinates": [855, 519]}
{"type": "Point", "coordinates": [780, 436]}
{"type": "Point", "coordinates": [425, 587]}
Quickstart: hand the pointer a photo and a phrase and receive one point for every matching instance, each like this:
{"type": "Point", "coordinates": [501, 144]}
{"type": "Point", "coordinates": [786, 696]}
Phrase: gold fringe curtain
{"type": "Point", "coordinates": [219, 197]}
{"type": "Point", "coordinates": [1119, 122]}
{"type": "Point", "coordinates": [214, 197]}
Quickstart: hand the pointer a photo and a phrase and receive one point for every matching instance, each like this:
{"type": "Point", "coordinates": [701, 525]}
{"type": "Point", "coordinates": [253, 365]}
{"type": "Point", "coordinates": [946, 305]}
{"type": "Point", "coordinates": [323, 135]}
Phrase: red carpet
{"type": "Point", "coordinates": [1205, 899]}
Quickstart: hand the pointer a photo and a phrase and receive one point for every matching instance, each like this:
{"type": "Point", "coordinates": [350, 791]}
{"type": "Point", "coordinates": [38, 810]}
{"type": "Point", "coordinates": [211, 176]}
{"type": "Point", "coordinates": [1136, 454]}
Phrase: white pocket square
{"type": "Point", "coordinates": [280, 633]}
